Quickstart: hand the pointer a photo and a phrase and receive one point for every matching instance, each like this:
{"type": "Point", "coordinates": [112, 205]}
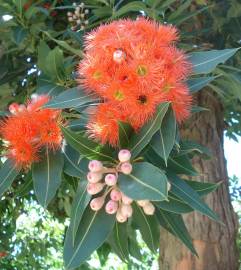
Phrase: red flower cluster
{"type": "Point", "coordinates": [133, 66]}
{"type": "Point", "coordinates": [29, 128]}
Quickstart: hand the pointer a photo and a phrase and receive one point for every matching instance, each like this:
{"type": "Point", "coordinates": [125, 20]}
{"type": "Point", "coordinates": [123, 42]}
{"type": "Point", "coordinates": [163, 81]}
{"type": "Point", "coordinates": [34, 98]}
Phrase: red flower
{"type": "Point", "coordinates": [134, 66]}
{"type": "Point", "coordinates": [29, 129]}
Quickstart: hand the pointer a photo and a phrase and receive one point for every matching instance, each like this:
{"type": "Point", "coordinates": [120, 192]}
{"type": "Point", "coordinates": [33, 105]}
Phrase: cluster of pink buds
{"type": "Point", "coordinates": [78, 17]}
{"type": "Point", "coordinates": [99, 177]}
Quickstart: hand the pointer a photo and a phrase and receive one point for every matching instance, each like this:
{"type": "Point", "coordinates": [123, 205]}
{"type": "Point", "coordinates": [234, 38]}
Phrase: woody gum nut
{"type": "Point", "coordinates": [126, 168]}
{"type": "Point", "coordinates": [95, 166]}
{"type": "Point", "coordinates": [94, 177]}
{"type": "Point", "coordinates": [94, 188]}
{"type": "Point", "coordinates": [110, 179]}
{"type": "Point", "coordinates": [111, 207]}
{"type": "Point", "coordinates": [97, 203]}
{"type": "Point", "coordinates": [126, 210]}
{"type": "Point", "coordinates": [149, 209]}
{"type": "Point", "coordinates": [142, 203]}
{"type": "Point", "coordinates": [125, 199]}
{"type": "Point", "coordinates": [120, 218]}
{"type": "Point", "coordinates": [115, 195]}
{"type": "Point", "coordinates": [124, 155]}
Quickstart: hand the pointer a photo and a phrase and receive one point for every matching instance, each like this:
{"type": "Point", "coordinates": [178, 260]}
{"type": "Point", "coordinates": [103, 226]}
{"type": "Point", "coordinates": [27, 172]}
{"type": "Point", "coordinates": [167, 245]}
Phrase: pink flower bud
{"type": "Point", "coordinates": [115, 195]}
{"type": "Point", "coordinates": [94, 188]}
{"type": "Point", "coordinates": [22, 108]}
{"type": "Point", "coordinates": [125, 199]}
{"type": "Point", "coordinates": [97, 203]}
{"type": "Point", "coordinates": [94, 177]}
{"type": "Point", "coordinates": [149, 209]}
{"type": "Point", "coordinates": [119, 56]}
{"type": "Point", "coordinates": [126, 168]}
{"type": "Point", "coordinates": [13, 108]}
{"type": "Point", "coordinates": [126, 210]}
{"type": "Point", "coordinates": [111, 207]}
{"type": "Point", "coordinates": [124, 155]}
{"type": "Point", "coordinates": [142, 203]}
{"type": "Point", "coordinates": [120, 218]}
{"type": "Point", "coordinates": [110, 179]}
{"type": "Point", "coordinates": [95, 166]}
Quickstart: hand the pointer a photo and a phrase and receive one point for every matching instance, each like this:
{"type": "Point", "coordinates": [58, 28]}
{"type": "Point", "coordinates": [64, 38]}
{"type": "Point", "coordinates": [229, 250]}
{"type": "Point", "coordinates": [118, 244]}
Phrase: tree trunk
{"type": "Point", "coordinates": [215, 244]}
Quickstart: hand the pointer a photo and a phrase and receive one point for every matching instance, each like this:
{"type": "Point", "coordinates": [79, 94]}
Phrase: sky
{"type": "Point", "coordinates": [232, 151]}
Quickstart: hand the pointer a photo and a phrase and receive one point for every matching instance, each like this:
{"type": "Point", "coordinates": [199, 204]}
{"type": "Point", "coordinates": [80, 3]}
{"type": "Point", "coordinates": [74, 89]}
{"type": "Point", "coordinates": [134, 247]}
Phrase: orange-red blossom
{"type": "Point", "coordinates": [28, 129]}
{"type": "Point", "coordinates": [133, 66]}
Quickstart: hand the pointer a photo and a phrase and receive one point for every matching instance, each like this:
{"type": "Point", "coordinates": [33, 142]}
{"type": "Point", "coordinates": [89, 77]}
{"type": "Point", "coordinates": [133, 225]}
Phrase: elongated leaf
{"type": "Point", "coordinates": [197, 84]}
{"type": "Point", "coordinates": [119, 240]}
{"type": "Point", "coordinates": [133, 6]}
{"type": "Point", "coordinates": [80, 202]}
{"type": "Point", "coordinates": [92, 232]}
{"type": "Point", "coordinates": [8, 172]}
{"type": "Point", "coordinates": [164, 141]}
{"type": "Point", "coordinates": [140, 140]}
{"type": "Point", "coordinates": [86, 147]}
{"type": "Point", "coordinates": [125, 132]}
{"type": "Point", "coordinates": [202, 188]}
{"type": "Point", "coordinates": [146, 182]}
{"type": "Point", "coordinates": [71, 98]}
{"type": "Point", "coordinates": [188, 147]}
{"type": "Point", "coordinates": [74, 164]}
{"type": "Point", "coordinates": [148, 226]}
{"type": "Point", "coordinates": [181, 165]}
{"type": "Point", "coordinates": [205, 62]}
{"type": "Point", "coordinates": [174, 224]}
{"type": "Point", "coordinates": [47, 176]}
{"type": "Point", "coordinates": [183, 191]}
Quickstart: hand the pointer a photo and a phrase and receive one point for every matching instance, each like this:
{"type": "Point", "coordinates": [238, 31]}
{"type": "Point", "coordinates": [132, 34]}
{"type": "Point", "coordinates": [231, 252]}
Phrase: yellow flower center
{"type": "Point", "coordinates": [97, 75]}
{"type": "Point", "coordinates": [142, 70]}
{"type": "Point", "coordinates": [119, 95]}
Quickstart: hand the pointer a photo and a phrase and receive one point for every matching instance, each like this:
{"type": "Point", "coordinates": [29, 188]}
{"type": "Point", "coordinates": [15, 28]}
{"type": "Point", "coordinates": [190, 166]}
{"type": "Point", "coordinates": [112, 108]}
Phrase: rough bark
{"type": "Point", "coordinates": [214, 243]}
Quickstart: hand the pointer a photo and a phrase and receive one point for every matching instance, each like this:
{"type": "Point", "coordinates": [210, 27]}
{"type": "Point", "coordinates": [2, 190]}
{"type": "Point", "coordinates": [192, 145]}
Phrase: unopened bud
{"type": "Point", "coordinates": [22, 108]}
{"type": "Point", "coordinates": [126, 210]}
{"type": "Point", "coordinates": [124, 155]}
{"type": "Point", "coordinates": [125, 199]}
{"type": "Point", "coordinates": [97, 203]}
{"type": "Point", "coordinates": [34, 97]}
{"type": "Point", "coordinates": [94, 177]}
{"type": "Point", "coordinates": [94, 188]}
{"type": "Point", "coordinates": [115, 195]}
{"type": "Point", "coordinates": [95, 166]}
{"type": "Point", "coordinates": [168, 186]}
{"type": "Point", "coordinates": [110, 179]}
{"type": "Point", "coordinates": [111, 207]}
{"type": "Point", "coordinates": [69, 14]}
{"type": "Point", "coordinates": [13, 108]}
{"type": "Point", "coordinates": [120, 218]}
{"type": "Point", "coordinates": [149, 209]}
{"type": "Point", "coordinates": [126, 168]}
{"type": "Point", "coordinates": [142, 203]}
{"type": "Point", "coordinates": [119, 56]}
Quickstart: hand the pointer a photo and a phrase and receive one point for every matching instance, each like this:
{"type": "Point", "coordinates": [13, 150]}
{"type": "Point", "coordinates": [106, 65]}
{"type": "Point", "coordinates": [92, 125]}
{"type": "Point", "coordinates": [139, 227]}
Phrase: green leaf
{"type": "Point", "coordinates": [80, 202]}
{"type": "Point", "coordinates": [93, 230]}
{"type": "Point", "coordinates": [130, 7]}
{"type": "Point", "coordinates": [119, 240]}
{"type": "Point", "coordinates": [8, 172]}
{"type": "Point", "coordinates": [47, 176]}
{"type": "Point", "coordinates": [71, 98]}
{"type": "Point", "coordinates": [188, 147]}
{"type": "Point", "coordinates": [148, 227]}
{"type": "Point", "coordinates": [43, 52]}
{"type": "Point", "coordinates": [86, 147]}
{"type": "Point", "coordinates": [181, 165]}
{"type": "Point", "coordinates": [197, 84]}
{"type": "Point", "coordinates": [146, 182]}
{"type": "Point", "coordinates": [19, 34]}
{"type": "Point", "coordinates": [125, 132]}
{"type": "Point", "coordinates": [205, 62]}
{"type": "Point", "coordinates": [74, 164]}
{"type": "Point", "coordinates": [164, 142]}
{"type": "Point", "coordinates": [183, 191]}
{"type": "Point", "coordinates": [55, 65]}
{"type": "Point", "coordinates": [174, 224]}
{"type": "Point", "coordinates": [202, 188]}
{"type": "Point", "coordinates": [140, 140]}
